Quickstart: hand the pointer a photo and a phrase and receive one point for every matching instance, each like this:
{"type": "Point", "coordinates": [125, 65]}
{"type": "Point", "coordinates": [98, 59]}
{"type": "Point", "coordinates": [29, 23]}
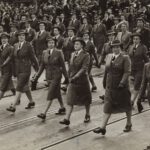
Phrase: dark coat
{"type": "Point", "coordinates": [13, 38]}
{"type": "Point", "coordinates": [55, 67]}
{"type": "Point", "coordinates": [145, 82]}
{"type": "Point", "coordinates": [99, 36]}
{"type": "Point", "coordinates": [79, 89]}
{"type": "Point", "coordinates": [116, 74]}
{"type": "Point", "coordinates": [6, 67]}
{"type": "Point", "coordinates": [40, 44]}
{"type": "Point", "coordinates": [138, 57]}
{"type": "Point", "coordinates": [59, 42]}
{"type": "Point", "coordinates": [68, 48]}
{"type": "Point", "coordinates": [145, 36]}
{"type": "Point", "coordinates": [75, 24]}
{"type": "Point", "coordinates": [24, 58]}
{"type": "Point", "coordinates": [30, 35]}
{"type": "Point", "coordinates": [35, 24]}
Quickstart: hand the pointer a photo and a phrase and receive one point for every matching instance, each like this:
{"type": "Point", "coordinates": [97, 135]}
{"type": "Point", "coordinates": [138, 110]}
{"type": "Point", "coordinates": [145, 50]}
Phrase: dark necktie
{"type": "Point", "coordinates": [113, 59]}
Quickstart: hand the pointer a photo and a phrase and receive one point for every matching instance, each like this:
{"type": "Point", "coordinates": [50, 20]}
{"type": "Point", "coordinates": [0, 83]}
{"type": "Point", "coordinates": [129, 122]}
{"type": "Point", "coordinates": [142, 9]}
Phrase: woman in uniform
{"type": "Point", "coordinates": [6, 53]}
{"type": "Point", "coordinates": [78, 92]}
{"type": "Point", "coordinates": [117, 94]}
{"type": "Point", "coordinates": [144, 85]}
{"type": "Point", "coordinates": [53, 63]}
{"type": "Point", "coordinates": [138, 55]}
{"type": "Point", "coordinates": [23, 57]}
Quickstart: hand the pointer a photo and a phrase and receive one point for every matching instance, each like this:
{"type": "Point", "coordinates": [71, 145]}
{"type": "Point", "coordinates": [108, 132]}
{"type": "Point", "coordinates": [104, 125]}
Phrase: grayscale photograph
{"type": "Point", "coordinates": [74, 74]}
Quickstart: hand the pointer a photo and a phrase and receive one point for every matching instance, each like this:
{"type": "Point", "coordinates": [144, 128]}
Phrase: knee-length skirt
{"type": "Point", "coordinates": [6, 83]}
{"type": "Point", "coordinates": [23, 82]}
{"type": "Point", "coordinates": [117, 101]}
{"type": "Point", "coordinates": [54, 89]}
{"type": "Point", "coordinates": [79, 94]}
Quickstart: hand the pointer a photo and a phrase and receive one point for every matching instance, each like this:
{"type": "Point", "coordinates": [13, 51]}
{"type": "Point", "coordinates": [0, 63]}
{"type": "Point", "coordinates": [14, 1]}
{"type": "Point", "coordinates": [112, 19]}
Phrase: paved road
{"type": "Point", "coordinates": [24, 131]}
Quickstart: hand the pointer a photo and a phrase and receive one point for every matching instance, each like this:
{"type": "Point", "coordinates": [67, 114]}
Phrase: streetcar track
{"type": "Point", "coordinates": [86, 132]}
{"type": "Point", "coordinates": [34, 118]}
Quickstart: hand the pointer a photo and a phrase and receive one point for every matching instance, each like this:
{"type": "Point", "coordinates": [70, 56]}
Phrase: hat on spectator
{"type": "Point", "coordinates": [42, 22]}
{"type": "Point", "coordinates": [22, 32]}
{"type": "Point", "coordinates": [141, 19]}
{"type": "Point", "coordinates": [111, 32]}
{"type": "Point", "coordinates": [116, 43]}
{"type": "Point", "coordinates": [79, 39]}
{"type": "Point", "coordinates": [71, 28]}
{"type": "Point", "coordinates": [5, 35]}
{"type": "Point", "coordinates": [136, 34]}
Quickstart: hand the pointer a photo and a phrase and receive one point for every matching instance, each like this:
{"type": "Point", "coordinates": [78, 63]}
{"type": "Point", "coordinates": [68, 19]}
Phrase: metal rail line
{"type": "Point", "coordinates": [85, 132]}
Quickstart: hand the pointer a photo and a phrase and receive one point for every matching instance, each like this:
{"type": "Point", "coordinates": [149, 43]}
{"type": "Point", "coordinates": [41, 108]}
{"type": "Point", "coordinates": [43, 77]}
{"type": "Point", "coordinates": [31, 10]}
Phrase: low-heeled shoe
{"type": "Point", "coordinates": [100, 130]}
{"type": "Point", "coordinates": [65, 122]}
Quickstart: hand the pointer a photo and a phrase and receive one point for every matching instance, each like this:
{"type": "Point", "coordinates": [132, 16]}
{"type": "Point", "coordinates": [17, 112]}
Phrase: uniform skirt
{"type": "Point", "coordinates": [79, 94]}
{"type": "Point", "coordinates": [6, 83]}
{"type": "Point", "coordinates": [54, 89]}
{"type": "Point", "coordinates": [117, 101]}
{"type": "Point", "coordinates": [23, 82]}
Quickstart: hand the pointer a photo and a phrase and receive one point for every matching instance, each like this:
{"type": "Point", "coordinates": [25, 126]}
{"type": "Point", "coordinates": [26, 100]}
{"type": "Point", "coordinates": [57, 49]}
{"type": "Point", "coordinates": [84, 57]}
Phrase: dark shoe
{"type": "Point", "coordinates": [13, 91]}
{"type": "Point", "coordinates": [18, 103]}
{"type": "Point", "coordinates": [33, 85]}
{"type": "Point", "coordinates": [12, 109]}
{"type": "Point", "coordinates": [65, 122]}
{"type": "Point", "coordinates": [61, 111]}
{"type": "Point", "coordinates": [87, 119]}
{"type": "Point", "coordinates": [140, 107]}
{"type": "Point", "coordinates": [94, 88]}
{"type": "Point", "coordinates": [102, 97]}
{"type": "Point", "coordinates": [30, 105]}
{"type": "Point", "coordinates": [42, 116]}
{"type": "Point", "coordinates": [127, 128]}
{"type": "Point", "coordinates": [64, 89]}
{"type": "Point", "coordinates": [99, 130]}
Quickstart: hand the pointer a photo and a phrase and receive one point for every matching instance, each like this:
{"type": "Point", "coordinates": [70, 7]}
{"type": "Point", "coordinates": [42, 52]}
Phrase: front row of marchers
{"type": "Point", "coordinates": [115, 81]}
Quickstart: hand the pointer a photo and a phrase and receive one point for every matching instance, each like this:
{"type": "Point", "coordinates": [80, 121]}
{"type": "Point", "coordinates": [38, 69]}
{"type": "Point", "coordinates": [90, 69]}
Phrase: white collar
{"type": "Point", "coordinates": [4, 45]}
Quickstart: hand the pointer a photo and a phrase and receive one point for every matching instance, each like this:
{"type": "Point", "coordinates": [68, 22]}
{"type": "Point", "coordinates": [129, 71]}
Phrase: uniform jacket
{"type": "Point", "coordinates": [24, 58]}
{"type": "Point", "coordinates": [6, 59]}
{"type": "Point", "coordinates": [117, 72]}
{"type": "Point", "coordinates": [79, 67]}
{"type": "Point", "coordinates": [145, 81]}
{"type": "Point", "coordinates": [53, 64]}
{"type": "Point", "coordinates": [125, 39]}
{"type": "Point", "coordinates": [138, 56]}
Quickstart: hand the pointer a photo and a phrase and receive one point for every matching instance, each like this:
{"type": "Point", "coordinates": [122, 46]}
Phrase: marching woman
{"type": "Point", "coordinates": [115, 81]}
{"type": "Point", "coordinates": [144, 85]}
{"type": "Point", "coordinates": [6, 53]}
{"type": "Point", "coordinates": [78, 92]}
{"type": "Point", "coordinates": [24, 57]}
{"type": "Point", "coordinates": [53, 63]}
{"type": "Point", "coordinates": [138, 55]}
